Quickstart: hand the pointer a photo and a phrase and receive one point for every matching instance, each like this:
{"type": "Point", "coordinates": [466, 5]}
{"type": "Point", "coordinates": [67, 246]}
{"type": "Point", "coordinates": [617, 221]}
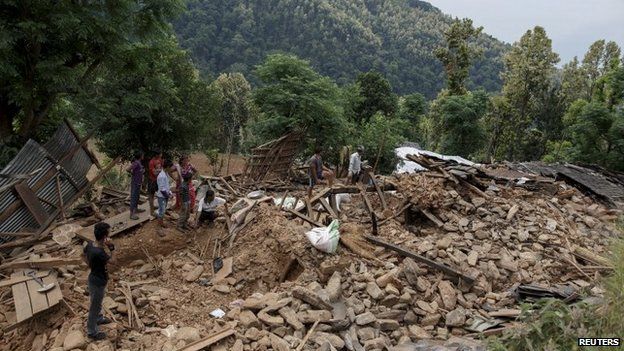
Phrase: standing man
{"type": "Point", "coordinates": [164, 191]}
{"type": "Point", "coordinates": [136, 171]}
{"type": "Point", "coordinates": [152, 186]}
{"type": "Point", "coordinates": [96, 257]}
{"type": "Point", "coordinates": [185, 198]}
{"type": "Point", "coordinates": [207, 208]}
{"type": "Point", "coordinates": [317, 172]}
{"type": "Point", "coordinates": [355, 165]}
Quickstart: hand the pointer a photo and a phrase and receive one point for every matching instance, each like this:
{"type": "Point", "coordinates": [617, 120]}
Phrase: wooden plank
{"type": "Point", "coordinates": [444, 268]}
{"type": "Point", "coordinates": [38, 301]}
{"type": "Point", "coordinates": [380, 193]}
{"type": "Point", "coordinates": [432, 217]}
{"type": "Point", "coordinates": [17, 234]}
{"type": "Point", "coordinates": [43, 263]}
{"type": "Point", "coordinates": [32, 203]}
{"type": "Point", "coordinates": [54, 295]}
{"type": "Point", "coordinates": [23, 310]}
{"type": "Point", "coordinates": [330, 210]}
{"type": "Point", "coordinates": [306, 218]}
{"type": "Point", "coordinates": [308, 207]}
{"type": "Point", "coordinates": [332, 202]}
{"type": "Point", "coordinates": [367, 203]}
{"type": "Point", "coordinates": [20, 279]}
{"type": "Point", "coordinates": [118, 223]}
{"type": "Point", "coordinates": [207, 341]}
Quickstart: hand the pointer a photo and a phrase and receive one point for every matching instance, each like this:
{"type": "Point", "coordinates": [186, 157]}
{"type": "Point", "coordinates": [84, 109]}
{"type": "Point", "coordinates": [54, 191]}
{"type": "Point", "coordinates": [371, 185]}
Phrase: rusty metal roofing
{"type": "Point", "coordinates": [45, 163]}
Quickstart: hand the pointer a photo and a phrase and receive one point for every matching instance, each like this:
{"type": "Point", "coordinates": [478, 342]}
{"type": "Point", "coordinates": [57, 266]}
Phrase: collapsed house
{"type": "Point", "coordinates": [437, 258]}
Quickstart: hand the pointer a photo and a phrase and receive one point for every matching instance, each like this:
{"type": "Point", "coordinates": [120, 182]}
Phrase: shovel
{"type": "Point", "coordinates": [217, 262]}
{"type": "Point", "coordinates": [44, 288]}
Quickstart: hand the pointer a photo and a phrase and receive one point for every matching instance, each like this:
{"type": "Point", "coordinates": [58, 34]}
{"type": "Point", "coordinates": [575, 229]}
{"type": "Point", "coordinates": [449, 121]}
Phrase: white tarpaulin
{"type": "Point", "coordinates": [407, 166]}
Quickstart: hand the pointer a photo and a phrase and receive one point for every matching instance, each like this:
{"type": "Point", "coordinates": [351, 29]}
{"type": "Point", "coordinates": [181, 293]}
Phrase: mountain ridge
{"type": "Point", "coordinates": [340, 38]}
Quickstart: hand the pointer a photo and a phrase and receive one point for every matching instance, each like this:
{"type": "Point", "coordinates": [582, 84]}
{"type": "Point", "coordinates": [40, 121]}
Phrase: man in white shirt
{"type": "Point", "coordinates": [207, 208]}
{"type": "Point", "coordinates": [355, 165]}
{"type": "Point", "coordinates": [164, 190]}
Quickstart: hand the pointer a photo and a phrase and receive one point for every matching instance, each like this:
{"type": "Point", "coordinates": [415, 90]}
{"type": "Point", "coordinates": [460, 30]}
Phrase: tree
{"type": "Point", "coordinates": [295, 97]}
{"type": "Point", "coordinates": [529, 69]}
{"type": "Point", "coordinates": [52, 49]}
{"type": "Point", "coordinates": [151, 97]}
{"type": "Point", "coordinates": [461, 116]}
{"type": "Point", "coordinates": [458, 55]}
{"type": "Point", "coordinates": [573, 82]}
{"type": "Point", "coordinates": [233, 93]}
{"type": "Point", "coordinates": [601, 58]}
{"type": "Point", "coordinates": [380, 136]}
{"type": "Point", "coordinates": [377, 96]}
{"type": "Point", "coordinates": [412, 108]}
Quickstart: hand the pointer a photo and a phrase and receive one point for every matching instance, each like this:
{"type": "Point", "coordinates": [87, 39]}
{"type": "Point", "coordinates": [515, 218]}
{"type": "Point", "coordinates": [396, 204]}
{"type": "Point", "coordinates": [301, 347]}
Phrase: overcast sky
{"type": "Point", "coordinates": [571, 24]}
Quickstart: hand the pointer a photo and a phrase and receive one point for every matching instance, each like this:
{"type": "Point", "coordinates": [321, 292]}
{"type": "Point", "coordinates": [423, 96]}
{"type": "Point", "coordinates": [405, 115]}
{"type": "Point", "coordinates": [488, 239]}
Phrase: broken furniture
{"type": "Point", "coordinates": [29, 300]}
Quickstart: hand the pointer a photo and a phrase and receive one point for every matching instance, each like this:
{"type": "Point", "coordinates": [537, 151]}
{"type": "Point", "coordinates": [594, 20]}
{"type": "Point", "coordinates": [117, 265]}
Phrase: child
{"type": "Point", "coordinates": [185, 200]}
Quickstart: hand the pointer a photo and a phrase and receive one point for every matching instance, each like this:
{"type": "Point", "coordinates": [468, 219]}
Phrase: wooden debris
{"type": "Point", "coordinates": [210, 340]}
{"type": "Point", "coordinates": [42, 263]}
{"type": "Point", "coordinates": [446, 269]}
{"type": "Point", "coordinates": [306, 218]}
{"type": "Point", "coordinates": [305, 338]}
{"type": "Point", "coordinates": [19, 279]}
{"type": "Point", "coordinates": [432, 217]}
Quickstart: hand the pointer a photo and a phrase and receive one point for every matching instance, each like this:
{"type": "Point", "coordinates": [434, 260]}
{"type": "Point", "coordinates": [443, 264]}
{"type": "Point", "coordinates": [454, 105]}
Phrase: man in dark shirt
{"type": "Point", "coordinates": [185, 198]}
{"type": "Point", "coordinates": [136, 171]}
{"type": "Point", "coordinates": [97, 259]}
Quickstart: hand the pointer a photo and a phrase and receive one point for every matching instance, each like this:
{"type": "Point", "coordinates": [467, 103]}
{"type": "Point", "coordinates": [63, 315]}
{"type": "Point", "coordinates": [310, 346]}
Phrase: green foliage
{"type": "Point", "coordinates": [341, 38]}
{"type": "Point", "coordinates": [294, 97]}
{"type": "Point", "coordinates": [412, 109]}
{"type": "Point", "coordinates": [459, 119]}
{"type": "Point", "coordinates": [458, 55]}
{"type": "Point", "coordinates": [528, 77]}
{"type": "Point", "coordinates": [149, 98]}
{"type": "Point", "coordinates": [50, 49]}
{"type": "Point", "coordinates": [376, 96]}
{"type": "Point", "coordinates": [235, 106]}
{"type": "Point", "coordinates": [380, 136]}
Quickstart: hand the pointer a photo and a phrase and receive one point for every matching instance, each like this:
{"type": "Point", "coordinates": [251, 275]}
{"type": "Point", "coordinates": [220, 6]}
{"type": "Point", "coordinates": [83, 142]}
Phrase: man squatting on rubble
{"type": "Point", "coordinates": [207, 208]}
{"type": "Point", "coordinates": [317, 172]}
{"type": "Point", "coordinates": [96, 257]}
{"type": "Point", "coordinates": [355, 165]}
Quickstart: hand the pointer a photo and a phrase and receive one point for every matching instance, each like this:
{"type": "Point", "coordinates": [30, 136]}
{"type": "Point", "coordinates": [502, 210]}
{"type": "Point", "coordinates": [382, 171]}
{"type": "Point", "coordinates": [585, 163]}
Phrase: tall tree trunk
{"type": "Point", "coordinates": [8, 112]}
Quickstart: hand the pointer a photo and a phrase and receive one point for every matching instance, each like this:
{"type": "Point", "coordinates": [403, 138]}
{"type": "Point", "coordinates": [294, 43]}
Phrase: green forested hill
{"type": "Point", "coordinates": [341, 38]}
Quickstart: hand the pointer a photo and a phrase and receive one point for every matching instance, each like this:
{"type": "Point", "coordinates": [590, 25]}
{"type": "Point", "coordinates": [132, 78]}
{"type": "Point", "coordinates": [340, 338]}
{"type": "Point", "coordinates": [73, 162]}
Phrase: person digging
{"type": "Point", "coordinates": [207, 208]}
{"type": "Point", "coordinates": [97, 259]}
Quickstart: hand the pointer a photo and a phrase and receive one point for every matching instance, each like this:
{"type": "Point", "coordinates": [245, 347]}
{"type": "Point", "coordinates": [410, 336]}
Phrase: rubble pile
{"type": "Point", "coordinates": [457, 249]}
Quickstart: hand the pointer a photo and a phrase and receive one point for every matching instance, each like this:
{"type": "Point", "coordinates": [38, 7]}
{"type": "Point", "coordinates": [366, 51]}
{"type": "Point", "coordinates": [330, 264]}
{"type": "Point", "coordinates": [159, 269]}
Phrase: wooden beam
{"type": "Point", "coordinates": [43, 263]}
{"type": "Point", "coordinates": [12, 281]}
{"type": "Point", "coordinates": [306, 218]}
{"type": "Point", "coordinates": [29, 198]}
{"type": "Point", "coordinates": [432, 217]}
{"type": "Point", "coordinates": [444, 268]}
{"type": "Point", "coordinates": [328, 208]}
{"type": "Point", "coordinates": [84, 147]}
{"type": "Point", "coordinates": [379, 192]}
{"type": "Point", "coordinates": [210, 340]}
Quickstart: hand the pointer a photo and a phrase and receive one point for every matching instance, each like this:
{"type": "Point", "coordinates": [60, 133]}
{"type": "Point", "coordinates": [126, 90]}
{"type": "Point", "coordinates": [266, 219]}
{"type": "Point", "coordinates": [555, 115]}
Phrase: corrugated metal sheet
{"type": "Point", "coordinates": [48, 162]}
